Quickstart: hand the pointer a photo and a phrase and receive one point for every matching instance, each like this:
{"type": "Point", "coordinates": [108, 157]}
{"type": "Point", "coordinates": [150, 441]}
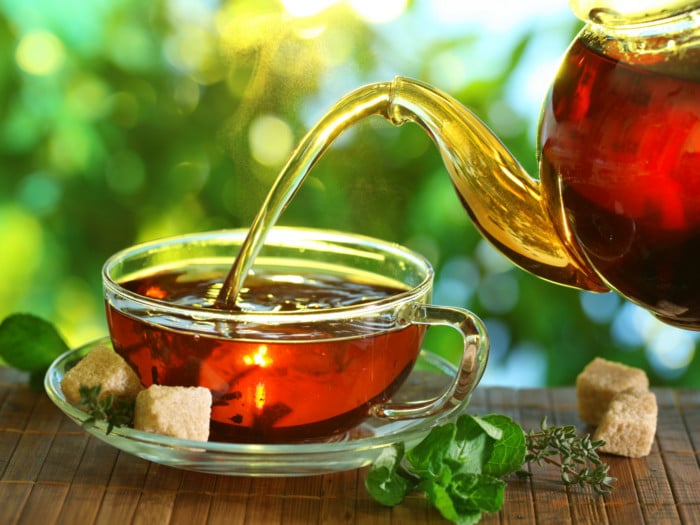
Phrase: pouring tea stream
{"type": "Point", "coordinates": [617, 203]}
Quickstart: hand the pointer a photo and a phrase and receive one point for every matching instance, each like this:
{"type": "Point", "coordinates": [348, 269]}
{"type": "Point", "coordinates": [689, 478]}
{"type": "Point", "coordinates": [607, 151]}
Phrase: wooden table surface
{"type": "Point", "coordinates": [51, 471]}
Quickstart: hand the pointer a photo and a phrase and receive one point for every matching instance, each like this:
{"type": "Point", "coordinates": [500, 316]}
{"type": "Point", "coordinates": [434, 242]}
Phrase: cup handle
{"type": "Point", "coordinates": [471, 368]}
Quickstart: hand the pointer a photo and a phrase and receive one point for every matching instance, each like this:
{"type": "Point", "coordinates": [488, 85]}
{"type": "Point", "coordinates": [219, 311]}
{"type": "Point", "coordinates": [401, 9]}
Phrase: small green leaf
{"type": "Point", "coordinates": [490, 425]}
{"type": "Point", "coordinates": [472, 444]}
{"type": "Point", "coordinates": [117, 412]}
{"type": "Point", "coordinates": [477, 493]}
{"type": "Point", "coordinates": [462, 485]}
{"type": "Point", "coordinates": [383, 481]}
{"type": "Point", "coordinates": [29, 343]}
{"type": "Point", "coordinates": [440, 498]}
{"type": "Point", "coordinates": [508, 453]}
{"type": "Point", "coordinates": [443, 501]}
{"type": "Point", "coordinates": [427, 456]}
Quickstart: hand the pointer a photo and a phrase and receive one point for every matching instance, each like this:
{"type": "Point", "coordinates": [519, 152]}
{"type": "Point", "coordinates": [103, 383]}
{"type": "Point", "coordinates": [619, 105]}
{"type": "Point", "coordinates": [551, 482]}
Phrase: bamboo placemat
{"type": "Point", "coordinates": [53, 472]}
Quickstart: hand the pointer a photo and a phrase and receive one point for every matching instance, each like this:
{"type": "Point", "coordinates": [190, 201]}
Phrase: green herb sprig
{"type": "Point", "coordinates": [576, 457]}
{"type": "Point", "coordinates": [116, 411]}
{"type": "Point", "coordinates": [459, 466]}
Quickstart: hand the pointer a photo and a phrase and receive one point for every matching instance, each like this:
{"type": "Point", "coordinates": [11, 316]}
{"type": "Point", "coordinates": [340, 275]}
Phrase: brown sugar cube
{"type": "Point", "coordinates": [629, 425]}
{"type": "Point", "coordinates": [102, 366]}
{"type": "Point", "coordinates": [176, 411]}
{"type": "Point", "coordinates": [600, 381]}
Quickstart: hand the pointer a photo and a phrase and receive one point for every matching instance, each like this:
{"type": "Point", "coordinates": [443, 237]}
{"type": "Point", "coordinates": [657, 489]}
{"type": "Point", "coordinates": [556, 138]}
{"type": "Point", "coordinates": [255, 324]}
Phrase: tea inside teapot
{"type": "Point", "coordinates": [620, 139]}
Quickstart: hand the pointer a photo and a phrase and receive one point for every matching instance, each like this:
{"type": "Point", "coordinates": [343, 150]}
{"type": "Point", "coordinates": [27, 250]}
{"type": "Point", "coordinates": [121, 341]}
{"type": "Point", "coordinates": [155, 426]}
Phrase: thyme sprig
{"type": "Point", "coordinates": [116, 411]}
{"type": "Point", "coordinates": [577, 457]}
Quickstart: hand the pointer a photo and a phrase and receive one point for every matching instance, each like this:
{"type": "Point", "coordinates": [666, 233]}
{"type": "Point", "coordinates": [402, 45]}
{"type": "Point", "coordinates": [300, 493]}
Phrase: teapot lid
{"type": "Point", "coordinates": [629, 11]}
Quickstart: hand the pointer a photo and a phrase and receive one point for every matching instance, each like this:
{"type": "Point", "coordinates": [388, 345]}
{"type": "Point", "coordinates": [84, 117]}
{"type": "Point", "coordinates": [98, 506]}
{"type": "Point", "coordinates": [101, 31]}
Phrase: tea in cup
{"type": "Point", "coordinates": [326, 329]}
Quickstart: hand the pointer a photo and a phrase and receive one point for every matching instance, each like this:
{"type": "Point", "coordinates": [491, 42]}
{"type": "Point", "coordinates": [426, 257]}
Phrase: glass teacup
{"type": "Point", "coordinates": [325, 331]}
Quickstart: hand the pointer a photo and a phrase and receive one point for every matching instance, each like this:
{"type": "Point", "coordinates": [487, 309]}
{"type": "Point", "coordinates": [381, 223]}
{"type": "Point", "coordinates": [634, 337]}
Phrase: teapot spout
{"type": "Point", "coordinates": [520, 217]}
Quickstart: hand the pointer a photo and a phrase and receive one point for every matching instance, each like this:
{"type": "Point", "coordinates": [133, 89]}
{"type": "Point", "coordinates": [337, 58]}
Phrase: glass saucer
{"type": "Point", "coordinates": [357, 448]}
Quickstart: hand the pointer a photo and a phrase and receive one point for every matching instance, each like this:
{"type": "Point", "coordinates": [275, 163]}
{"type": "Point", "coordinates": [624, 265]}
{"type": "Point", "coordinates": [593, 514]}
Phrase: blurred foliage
{"type": "Point", "coordinates": [124, 121]}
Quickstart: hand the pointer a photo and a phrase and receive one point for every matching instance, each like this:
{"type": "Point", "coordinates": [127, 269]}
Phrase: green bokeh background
{"type": "Point", "coordinates": [123, 121]}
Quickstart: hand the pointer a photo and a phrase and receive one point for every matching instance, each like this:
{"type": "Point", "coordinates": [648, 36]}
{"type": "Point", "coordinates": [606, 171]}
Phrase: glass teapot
{"type": "Point", "coordinates": [617, 203]}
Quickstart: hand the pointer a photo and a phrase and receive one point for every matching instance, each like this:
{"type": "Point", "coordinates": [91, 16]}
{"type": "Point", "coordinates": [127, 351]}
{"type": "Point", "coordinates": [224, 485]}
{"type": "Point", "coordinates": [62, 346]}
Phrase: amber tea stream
{"type": "Point", "coordinates": [360, 104]}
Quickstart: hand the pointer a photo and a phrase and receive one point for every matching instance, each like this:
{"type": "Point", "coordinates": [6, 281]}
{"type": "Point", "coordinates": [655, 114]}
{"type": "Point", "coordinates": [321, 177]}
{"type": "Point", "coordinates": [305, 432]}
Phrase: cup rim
{"type": "Point", "coordinates": [281, 235]}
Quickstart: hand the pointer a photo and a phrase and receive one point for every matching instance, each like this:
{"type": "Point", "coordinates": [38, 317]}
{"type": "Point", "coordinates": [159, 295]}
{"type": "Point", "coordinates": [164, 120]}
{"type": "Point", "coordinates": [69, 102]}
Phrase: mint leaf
{"type": "Point", "coordinates": [427, 457]}
{"type": "Point", "coordinates": [30, 344]}
{"type": "Point", "coordinates": [491, 425]}
{"type": "Point", "coordinates": [441, 499]}
{"type": "Point", "coordinates": [477, 493]}
{"type": "Point", "coordinates": [473, 443]}
{"type": "Point", "coordinates": [384, 482]}
{"type": "Point", "coordinates": [508, 453]}
{"type": "Point", "coordinates": [447, 504]}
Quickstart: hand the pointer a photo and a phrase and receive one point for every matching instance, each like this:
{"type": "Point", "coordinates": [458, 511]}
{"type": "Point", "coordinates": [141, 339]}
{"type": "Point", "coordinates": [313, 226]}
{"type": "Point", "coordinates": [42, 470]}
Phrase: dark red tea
{"type": "Point", "coordinates": [268, 387]}
{"type": "Point", "coordinates": [625, 142]}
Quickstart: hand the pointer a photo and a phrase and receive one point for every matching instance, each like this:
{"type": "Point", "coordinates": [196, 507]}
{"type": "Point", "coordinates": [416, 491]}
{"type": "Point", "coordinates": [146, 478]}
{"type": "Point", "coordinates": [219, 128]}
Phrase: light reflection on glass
{"type": "Point", "coordinates": [259, 358]}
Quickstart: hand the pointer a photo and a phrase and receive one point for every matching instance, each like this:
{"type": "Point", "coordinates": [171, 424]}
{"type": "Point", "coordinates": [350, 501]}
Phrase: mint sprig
{"type": "Point", "coordinates": [459, 465]}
